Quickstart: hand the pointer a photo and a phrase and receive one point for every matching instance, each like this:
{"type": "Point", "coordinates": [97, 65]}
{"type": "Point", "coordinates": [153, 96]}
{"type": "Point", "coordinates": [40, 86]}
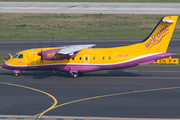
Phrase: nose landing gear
{"type": "Point", "coordinates": [17, 72]}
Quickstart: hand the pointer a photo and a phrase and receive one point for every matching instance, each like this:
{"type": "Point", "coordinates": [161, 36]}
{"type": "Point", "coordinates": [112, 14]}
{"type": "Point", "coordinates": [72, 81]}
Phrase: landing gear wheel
{"type": "Point", "coordinates": [75, 75]}
{"type": "Point", "coordinates": [80, 74]}
{"type": "Point", "coordinates": [16, 74]}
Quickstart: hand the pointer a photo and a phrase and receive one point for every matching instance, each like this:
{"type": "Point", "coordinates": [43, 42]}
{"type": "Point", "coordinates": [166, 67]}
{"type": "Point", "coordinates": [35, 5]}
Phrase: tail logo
{"type": "Point", "coordinates": [157, 38]}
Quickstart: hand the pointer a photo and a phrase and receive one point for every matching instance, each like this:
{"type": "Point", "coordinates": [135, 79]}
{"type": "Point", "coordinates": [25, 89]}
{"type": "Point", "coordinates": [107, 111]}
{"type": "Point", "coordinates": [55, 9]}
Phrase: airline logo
{"type": "Point", "coordinates": [157, 38]}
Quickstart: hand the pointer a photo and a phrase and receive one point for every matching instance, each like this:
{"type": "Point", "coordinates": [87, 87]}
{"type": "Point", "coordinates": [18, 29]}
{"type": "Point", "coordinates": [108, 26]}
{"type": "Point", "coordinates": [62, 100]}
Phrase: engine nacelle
{"type": "Point", "coordinates": [52, 55]}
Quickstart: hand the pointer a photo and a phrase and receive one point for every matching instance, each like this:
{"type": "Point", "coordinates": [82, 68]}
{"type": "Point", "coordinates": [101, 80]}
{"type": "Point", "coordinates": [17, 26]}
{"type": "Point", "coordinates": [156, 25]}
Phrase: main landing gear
{"type": "Point", "coordinates": [76, 75]}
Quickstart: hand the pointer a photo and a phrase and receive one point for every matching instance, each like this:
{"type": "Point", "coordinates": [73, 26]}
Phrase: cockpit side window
{"type": "Point", "coordinates": [20, 56]}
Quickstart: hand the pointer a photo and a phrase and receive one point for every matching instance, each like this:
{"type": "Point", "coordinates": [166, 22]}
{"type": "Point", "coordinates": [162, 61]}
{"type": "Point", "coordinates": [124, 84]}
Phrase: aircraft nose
{"type": "Point", "coordinates": [5, 65]}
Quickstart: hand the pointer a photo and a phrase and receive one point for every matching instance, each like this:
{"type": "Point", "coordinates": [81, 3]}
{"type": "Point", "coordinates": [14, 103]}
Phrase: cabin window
{"type": "Point", "coordinates": [109, 58]}
{"type": "Point", "coordinates": [103, 58]}
{"type": "Point", "coordinates": [93, 58]}
{"type": "Point", "coordinates": [79, 58]}
{"type": "Point", "coordinates": [73, 58]}
{"type": "Point", "coordinates": [86, 58]}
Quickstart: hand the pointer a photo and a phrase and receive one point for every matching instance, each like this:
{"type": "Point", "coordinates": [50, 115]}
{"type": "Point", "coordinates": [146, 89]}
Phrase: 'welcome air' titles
{"type": "Point", "coordinates": [157, 38]}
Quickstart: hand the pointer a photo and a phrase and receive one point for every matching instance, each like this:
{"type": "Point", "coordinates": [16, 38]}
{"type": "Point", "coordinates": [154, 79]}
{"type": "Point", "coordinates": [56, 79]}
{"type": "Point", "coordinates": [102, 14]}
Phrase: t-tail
{"type": "Point", "coordinates": [160, 37]}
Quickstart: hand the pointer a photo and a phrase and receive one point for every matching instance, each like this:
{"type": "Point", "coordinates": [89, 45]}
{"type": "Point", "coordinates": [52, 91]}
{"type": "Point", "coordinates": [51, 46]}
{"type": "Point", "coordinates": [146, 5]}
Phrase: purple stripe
{"type": "Point", "coordinates": [89, 68]}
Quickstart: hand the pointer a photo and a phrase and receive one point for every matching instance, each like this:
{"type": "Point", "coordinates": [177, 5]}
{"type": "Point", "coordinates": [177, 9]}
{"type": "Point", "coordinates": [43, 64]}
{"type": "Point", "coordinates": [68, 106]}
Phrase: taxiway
{"type": "Point", "coordinates": [138, 92]}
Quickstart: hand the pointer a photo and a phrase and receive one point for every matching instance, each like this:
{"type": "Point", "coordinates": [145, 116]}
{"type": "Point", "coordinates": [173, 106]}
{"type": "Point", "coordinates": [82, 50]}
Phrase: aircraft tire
{"type": "Point", "coordinates": [75, 75]}
{"type": "Point", "coordinates": [16, 74]}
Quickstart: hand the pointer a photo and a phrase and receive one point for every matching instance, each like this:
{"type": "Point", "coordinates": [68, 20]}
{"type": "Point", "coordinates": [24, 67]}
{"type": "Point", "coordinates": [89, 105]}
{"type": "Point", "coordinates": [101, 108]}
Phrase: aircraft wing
{"type": "Point", "coordinates": [63, 53]}
{"type": "Point", "coordinates": [73, 48]}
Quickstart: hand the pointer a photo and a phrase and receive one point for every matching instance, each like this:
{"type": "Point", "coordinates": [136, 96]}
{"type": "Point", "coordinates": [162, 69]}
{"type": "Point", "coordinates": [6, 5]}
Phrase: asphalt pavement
{"type": "Point", "coordinates": [89, 8]}
{"type": "Point", "coordinates": [138, 92]}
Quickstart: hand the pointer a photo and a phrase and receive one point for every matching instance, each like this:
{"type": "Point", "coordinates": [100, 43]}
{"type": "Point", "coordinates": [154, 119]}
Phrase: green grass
{"type": "Point", "coordinates": [162, 65]}
{"type": "Point", "coordinates": [1, 59]}
{"type": "Point", "coordinates": [77, 26]}
{"type": "Point", "coordinates": [141, 1]}
{"type": "Point", "coordinates": [159, 65]}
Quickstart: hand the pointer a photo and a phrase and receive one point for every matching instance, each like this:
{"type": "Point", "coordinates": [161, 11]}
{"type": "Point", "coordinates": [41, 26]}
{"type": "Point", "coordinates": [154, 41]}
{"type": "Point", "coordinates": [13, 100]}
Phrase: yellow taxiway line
{"type": "Point", "coordinates": [22, 86]}
{"type": "Point", "coordinates": [84, 99]}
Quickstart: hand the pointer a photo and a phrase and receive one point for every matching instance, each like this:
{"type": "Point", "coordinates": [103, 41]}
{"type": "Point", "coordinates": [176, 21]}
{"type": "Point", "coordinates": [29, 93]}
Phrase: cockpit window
{"type": "Point", "coordinates": [18, 56]}
{"type": "Point", "coordinates": [15, 56]}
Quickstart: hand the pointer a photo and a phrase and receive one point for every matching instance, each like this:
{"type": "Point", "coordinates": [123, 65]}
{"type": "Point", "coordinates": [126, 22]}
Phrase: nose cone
{"type": "Point", "coordinates": [6, 66]}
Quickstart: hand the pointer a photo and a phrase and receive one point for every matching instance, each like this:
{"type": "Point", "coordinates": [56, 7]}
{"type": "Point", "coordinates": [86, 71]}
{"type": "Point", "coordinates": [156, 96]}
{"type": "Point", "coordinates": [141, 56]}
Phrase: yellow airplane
{"type": "Point", "coordinates": [79, 59]}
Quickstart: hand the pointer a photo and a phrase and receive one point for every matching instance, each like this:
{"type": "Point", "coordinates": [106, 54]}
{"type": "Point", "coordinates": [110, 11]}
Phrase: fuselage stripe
{"type": "Point", "coordinates": [140, 57]}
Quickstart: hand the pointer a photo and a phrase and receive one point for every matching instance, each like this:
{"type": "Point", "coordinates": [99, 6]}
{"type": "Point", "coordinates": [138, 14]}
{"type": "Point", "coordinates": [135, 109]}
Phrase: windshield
{"type": "Point", "coordinates": [18, 56]}
{"type": "Point", "coordinates": [15, 56]}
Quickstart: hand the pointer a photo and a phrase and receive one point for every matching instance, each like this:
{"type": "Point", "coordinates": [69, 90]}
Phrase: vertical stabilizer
{"type": "Point", "coordinates": [159, 39]}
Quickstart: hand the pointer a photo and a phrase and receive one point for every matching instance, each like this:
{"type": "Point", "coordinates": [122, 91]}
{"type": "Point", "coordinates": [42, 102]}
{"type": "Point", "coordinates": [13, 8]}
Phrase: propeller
{"type": "Point", "coordinates": [9, 57]}
{"type": "Point", "coordinates": [40, 54]}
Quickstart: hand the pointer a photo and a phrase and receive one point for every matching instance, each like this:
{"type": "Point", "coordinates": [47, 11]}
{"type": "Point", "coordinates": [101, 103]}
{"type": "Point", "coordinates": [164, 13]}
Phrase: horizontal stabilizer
{"type": "Point", "coordinates": [73, 48]}
{"type": "Point", "coordinates": [168, 21]}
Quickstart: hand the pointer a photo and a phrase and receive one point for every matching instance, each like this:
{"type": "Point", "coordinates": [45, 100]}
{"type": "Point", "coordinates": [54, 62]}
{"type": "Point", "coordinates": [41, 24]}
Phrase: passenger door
{"type": "Point", "coordinates": [32, 59]}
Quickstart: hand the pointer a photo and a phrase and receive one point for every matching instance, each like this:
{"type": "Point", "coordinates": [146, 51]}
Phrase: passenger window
{"type": "Point", "coordinates": [20, 56]}
{"type": "Point", "coordinates": [79, 58]}
{"type": "Point", "coordinates": [86, 58]}
{"type": "Point", "coordinates": [109, 58]}
{"type": "Point", "coordinates": [103, 58]}
{"type": "Point", "coordinates": [93, 58]}
{"type": "Point", "coordinates": [73, 58]}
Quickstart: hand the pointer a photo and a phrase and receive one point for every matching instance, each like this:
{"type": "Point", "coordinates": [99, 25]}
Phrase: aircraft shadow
{"type": "Point", "coordinates": [114, 73]}
{"type": "Point", "coordinates": [47, 74]}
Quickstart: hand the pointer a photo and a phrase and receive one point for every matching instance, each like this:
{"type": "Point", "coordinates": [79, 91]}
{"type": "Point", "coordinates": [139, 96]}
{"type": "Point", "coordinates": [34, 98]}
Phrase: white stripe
{"type": "Point", "coordinates": [79, 117]}
{"type": "Point", "coordinates": [143, 56]}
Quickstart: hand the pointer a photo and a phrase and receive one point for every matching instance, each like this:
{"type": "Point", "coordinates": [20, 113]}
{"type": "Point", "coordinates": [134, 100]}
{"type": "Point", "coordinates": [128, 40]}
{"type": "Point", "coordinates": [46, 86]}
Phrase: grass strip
{"type": "Point", "coordinates": [1, 59]}
{"type": "Point", "coordinates": [159, 65]}
{"type": "Point", "coordinates": [77, 26]}
{"type": "Point", "coordinates": [134, 1]}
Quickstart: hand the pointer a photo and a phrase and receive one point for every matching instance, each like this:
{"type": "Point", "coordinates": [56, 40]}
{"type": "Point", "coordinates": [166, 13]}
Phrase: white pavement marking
{"type": "Point", "coordinates": [150, 71]}
{"type": "Point", "coordinates": [159, 71]}
{"type": "Point", "coordinates": [82, 118]}
{"type": "Point", "coordinates": [89, 8]}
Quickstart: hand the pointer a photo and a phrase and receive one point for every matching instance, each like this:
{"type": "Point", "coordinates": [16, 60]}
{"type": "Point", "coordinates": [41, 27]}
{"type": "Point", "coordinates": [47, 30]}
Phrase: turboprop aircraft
{"type": "Point", "coordinates": [79, 59]}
